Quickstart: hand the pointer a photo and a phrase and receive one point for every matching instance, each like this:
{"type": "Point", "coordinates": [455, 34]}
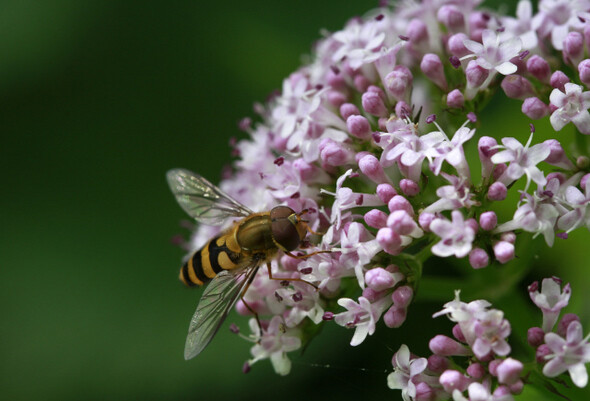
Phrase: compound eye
{"type": "Point", "coordinates": [285, 234]}
{"type": "Point", "coordinates": [281, 212]}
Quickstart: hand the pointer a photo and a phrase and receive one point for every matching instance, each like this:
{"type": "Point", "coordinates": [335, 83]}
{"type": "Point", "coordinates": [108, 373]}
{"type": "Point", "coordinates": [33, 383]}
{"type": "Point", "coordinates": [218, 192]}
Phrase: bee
{"type": "Point", "coordinates": [229, 261]}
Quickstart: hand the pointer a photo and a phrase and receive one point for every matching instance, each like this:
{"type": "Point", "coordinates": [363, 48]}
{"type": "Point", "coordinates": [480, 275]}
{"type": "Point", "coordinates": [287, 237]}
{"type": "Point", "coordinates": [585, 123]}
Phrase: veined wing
{"type": "Point", "coordinates": [202, 200]}
{"type": "Point", "coordinates": [219, 297]}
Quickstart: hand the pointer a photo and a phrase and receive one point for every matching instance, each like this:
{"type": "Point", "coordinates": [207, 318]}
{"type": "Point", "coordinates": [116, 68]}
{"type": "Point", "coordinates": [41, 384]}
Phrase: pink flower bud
{"type": "Point", "coordinates": [455, 99]}
{"type": "Point", "coordinates": [493, 366]}
{"type": "Point", "coordinates": [371, 167]}
{"type": "Point", "coordinates": [509, 371]}
{"type": "Point", "coordinates": [573, 48]}
{"type": "Point", "coordinates": [475, 74]}
{"type": "Point", "coordinates": [425, 219]}
{"type": "Point", "coordinates": [517, 87]}
{"type": "Point", "coordinates": [361, 83]}
{"type": "Point", "coordinates": [358, 126]}
{"type": "Point", "coordinates": [379, 279]}
{"type": "Point", "coordinates": [417, 31]}
{"type": "Point", "coordinates": [402, 223]}
{"type": "Point", "coordinates": [373, 104]}
{"type": "Point", "coordinates": [584, 71]}
{"type": "Point", "coordinates": [402, 296]}
{"type": "Point", "coordinates": [488, 220]}
{"type": "Point", "coordinates": [348, 109]}
{"type": "Point", "coordinates": [508, 236]}
{"type": "Point", "coordinates": [565, 322]}
{"type": "Point", "coordinates": [502, 392]}
{"type": "Point", "coordinates": [476, 370]}
{"type": "Point", "coordinates": [438, 364]}
{"type": "Point", "coordinates": [398, 202]}
{"type": "Point", "coordinates": [394, 317]}
{"type": "Point", "coordinates": [542, 351]}
{"type": "Point", "coordinates": [515, 388]}
{"type": "Point", "coordinates": [499, 170]}
{"type": "Point", "coordinates": [473, 224]}
{"type": "Point", "coordinates": [389, 240]}
{"type": "Point", "coordinates": [584, 181]}
{"type": "Point", "coordinates": [385, 192]}
{"type": "Point", "coordinates": [534, 108]}
{"type": "Point", "coordinates": [539, 68]}
{"type": "Point", "coordinates": [335, 79]}
{"type": "Point", "coordinates": [557, 157]}
{"type": "Point", "coordinates": [535, 336]}
{"type": "Point", "coordinates": [582, 162]}
{"type": "Point", "coordinates": [486, 149]}
{"type": "Point", "coordinates": [452, 379]}
{"type": "Point", "coordinates": [399, 82]}
{"type": "Point", "coordinates": [334, 153]}
{"type": "Point", "coordinates": [451, 17]}
{"type": "Point", "coordinates": [456, 46]}
{"type": "Point", "coordinates": [446, 346]}
{"type": "Point", "coordinates": [503, 251]}
{"type": "Point", "coordinates": [371, 294]}
{"type": "Point", "coordinates": [497, 191]}
{"type": "Point", "coordinates": [409, 187]}
{"type": "Point", "coordinates": [432, 67]}
{"type": "Point", "coordinates": [558, 80]}
{"type": "Point", "coordinates": [375, 218]}
{"type": "Point", "coordinates": [336, 98]}
{"type": "Point", "coordinates": [478, 258]}
{"type": "Point", "coordinates": [424, 392]}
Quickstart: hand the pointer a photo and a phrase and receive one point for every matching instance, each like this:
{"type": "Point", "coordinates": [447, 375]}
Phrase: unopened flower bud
{"type": "Point", "coordinates": [478, 258]}
{"type": "Point", "coordinates": [539, 68]}
{"type": "Point", "coordinates": [375, 218]}
{"type": "Point", "coordinates": [438, 364]}
{"type": "Point", "coordinates": [557, 156]}
{"type": "Point", "coordinates": [497, 191]}
{"type": "Point", "coordinates": [493, 366]}
{"type": "Point", "coordinates": [486, 148]}
{"type": "Point", "coordinates": [534, 108]}
{"type": "Point", "coordinates": [372, 168]}
{"type": "Point", "coordinates": [385, 192]}
{"type": "Point", "coordinates": [373, 104]}
{"type": "Point", "coordinates": [517, 87]}
{"type": "Point", "coordinates": [451, 17]}
{"type": "Point", "coordinates": [565, 322]}
{"type": "Point", "coordinates": [503, 251]}
{"type": "Point", "coordinates": [402, 296]}
{"type": "Point", "coordinates": [446, 346]}
{"type": "Point", "coordinates": [488, 220]}
{"type": "Point", "coordinates": [509, 371]}
{"type": "Point", "coordinates": [458, 333]}
{"type": "Point", "coordinates": [582, 162]}
{"type": "Point", "coordinates": [394, 317]}
{"type": "Point", "coordinates": [399, 82]}
{"type": "Point", "coordinates": [476, 370]}
{"type": "Point", "coordinates": [379, 279]}
{"type": "Point", "coordinates": [398, 202]}
{"type": "Point", "coordinates": [584, 71]}
{"type": "Point", "coordinates": [535, 336]}
{"type": "Point", "coordinates": [335, 79]}
{"type": "Point", "coordinates": [389, 240]}
{"type": "Point", "coordinates": [417, 31]}
{"type": "Point", "coordinates": [424, 392]}
{"type": "Point", "coordinates": [499, 170]}
{"type": "Point", "coordinates": [361, 83]}
{"type": "Point", "coordinates": [348, 109]}
{"type": "Point", "coordinates": [573, 48]}
{"type": "Point", "coordinates": [558, 80]}
{"type": "Point", "coordinates": [359, 126]}
{"type": "Point", "coordinates": [542, 351]}
{"type": "Point", "coordinates": [508, 236]}
{"type": "Point", "coordinates": [453, 380]}
{"type": "Point", "coordinates": [403, 224]}
{"type": "Point", "coordinates": [456, 46]}
{"type": "Point", "coordinates": [432, 67]}
{"type": "Point", "coordinates": [584, 181]}
{"type": "Point", "coordinates": [336, 98]}
{"type": "Point", "coordinates": [476, 75]}
{"type": "Point", "coordinates": [455, 99]}
{"type": "Point", "coordinates": [425, 219]}
{"type": "Point", "coordinates": [334, 153]}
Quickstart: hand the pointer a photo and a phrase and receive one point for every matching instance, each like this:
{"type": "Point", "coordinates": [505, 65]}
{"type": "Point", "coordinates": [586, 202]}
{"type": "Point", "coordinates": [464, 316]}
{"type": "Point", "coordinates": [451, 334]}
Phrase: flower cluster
{"type": "Point", "coordinates": [490, 372]}
{"type": "Point", "coordinates": [378, 138]}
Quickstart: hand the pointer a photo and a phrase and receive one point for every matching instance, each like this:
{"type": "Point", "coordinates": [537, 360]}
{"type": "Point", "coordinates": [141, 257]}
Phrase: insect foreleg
{"type": "Point", "coordinates": [288, 279]}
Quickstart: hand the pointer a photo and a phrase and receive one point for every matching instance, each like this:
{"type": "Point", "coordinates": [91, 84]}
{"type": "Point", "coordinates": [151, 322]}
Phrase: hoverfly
{"type": "Point", "coordinates": [230, 260]}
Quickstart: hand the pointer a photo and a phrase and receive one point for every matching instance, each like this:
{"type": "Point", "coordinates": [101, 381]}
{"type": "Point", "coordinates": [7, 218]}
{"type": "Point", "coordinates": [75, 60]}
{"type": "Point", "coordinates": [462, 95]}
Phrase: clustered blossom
{"type": "Point", "coordinates": [373, 137]}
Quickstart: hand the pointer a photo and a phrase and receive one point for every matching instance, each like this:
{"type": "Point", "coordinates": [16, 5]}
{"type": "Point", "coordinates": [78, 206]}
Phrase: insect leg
{"type": "Point", "coordinates": [246, 303]}
{"type": "Point", "coordinates": [288, 279]}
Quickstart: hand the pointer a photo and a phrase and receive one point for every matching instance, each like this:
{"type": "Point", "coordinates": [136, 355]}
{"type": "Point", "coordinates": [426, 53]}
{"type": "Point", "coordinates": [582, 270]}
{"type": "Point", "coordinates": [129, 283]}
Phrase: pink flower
{"type": "Point", "coordinates": [572, 106]}
{"type": "Point", "coordinates": [456, 236]}
{"type": "Point", "coordinates": [571, 354]}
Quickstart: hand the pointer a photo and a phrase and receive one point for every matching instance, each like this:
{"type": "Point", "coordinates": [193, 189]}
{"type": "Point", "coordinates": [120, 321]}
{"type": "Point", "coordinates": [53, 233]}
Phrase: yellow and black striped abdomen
{"type": "Point", "coordinates": [204, 264]}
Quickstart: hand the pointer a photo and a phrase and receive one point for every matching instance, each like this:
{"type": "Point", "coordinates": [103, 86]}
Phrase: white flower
{"type": "Point", "coordinates": [571, 106]}
{"type": "Point", "coordinates": [551, 300]}
{"type": "Point", "coordinates": [580, 213]}
{"type": "Point", "coordinates": [495, 52]}
{"type": "Point", "coordinates": [456, 236]}
{"type": "Point", "coordinates": [404, 371]}
{"type": "Point", "coordinates": [363, 316]}
{"type": "Point", "coordinates": [569, 354]}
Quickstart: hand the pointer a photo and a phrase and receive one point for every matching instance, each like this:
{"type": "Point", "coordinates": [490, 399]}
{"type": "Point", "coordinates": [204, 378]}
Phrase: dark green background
{"type": "Point", "coordinates": [97, 100]}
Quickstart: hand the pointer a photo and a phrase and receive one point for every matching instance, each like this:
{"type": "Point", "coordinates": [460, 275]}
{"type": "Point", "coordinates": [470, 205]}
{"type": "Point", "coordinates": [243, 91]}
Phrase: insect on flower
{"type": "Point", "coordinates": [230, 260]}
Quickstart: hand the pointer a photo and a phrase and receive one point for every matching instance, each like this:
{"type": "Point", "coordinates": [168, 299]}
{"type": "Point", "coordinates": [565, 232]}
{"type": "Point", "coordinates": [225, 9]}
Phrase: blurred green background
{"type": "Point", "coordinates": [98, 100]}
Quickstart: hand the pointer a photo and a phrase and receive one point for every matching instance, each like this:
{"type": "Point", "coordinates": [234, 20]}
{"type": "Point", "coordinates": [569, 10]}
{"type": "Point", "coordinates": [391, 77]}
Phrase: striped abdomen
{"type": "Point", "coordinates": [214, 257]}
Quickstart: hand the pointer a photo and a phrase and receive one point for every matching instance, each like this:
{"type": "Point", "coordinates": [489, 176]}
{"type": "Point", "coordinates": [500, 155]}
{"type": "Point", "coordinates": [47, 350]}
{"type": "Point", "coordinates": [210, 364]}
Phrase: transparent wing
{"type": "Point", "coordinates": [202, 200]}
{"type": "Point", "coordinates": [219, 297]}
